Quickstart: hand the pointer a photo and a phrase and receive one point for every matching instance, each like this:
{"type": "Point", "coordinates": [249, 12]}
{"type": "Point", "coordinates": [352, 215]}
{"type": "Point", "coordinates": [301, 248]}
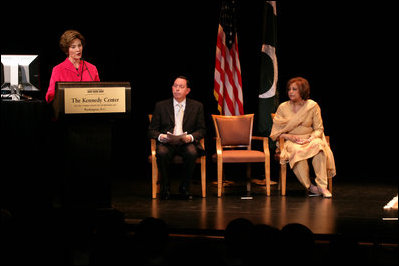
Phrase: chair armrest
{"type": "Point", "coordinates": [265, 143]}
{"type": "Point", "coordinates": [328, 140]}
{"type": "Point", "coordinates": [258, 138]}
{"type": "Point", "coordinates": [219, 147]}
{"type": "Point", "coordinates": [153, 148]}
{"type": "Point", "coordinates": [281, 143]}
{"type": "Point", "coordinates": [202, 142]}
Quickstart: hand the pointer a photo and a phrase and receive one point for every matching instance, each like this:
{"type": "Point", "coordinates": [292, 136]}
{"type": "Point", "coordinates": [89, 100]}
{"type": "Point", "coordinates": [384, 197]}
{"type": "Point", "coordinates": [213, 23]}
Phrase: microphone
{"type": "Point", "coordinates": [84, 65]}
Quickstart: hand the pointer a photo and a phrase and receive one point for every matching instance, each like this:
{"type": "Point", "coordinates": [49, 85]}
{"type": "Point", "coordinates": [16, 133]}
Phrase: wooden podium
{"type": "Point", "coordinates": [85, 114]}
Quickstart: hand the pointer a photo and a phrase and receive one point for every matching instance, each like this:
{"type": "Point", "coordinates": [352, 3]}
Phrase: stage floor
{"type": "Point", "coordinates": [356, 208]}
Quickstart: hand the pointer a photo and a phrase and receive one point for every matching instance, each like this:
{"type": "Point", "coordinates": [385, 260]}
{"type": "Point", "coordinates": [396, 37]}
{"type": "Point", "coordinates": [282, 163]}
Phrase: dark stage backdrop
{"type": "Point", "coordinates": [347, 52]}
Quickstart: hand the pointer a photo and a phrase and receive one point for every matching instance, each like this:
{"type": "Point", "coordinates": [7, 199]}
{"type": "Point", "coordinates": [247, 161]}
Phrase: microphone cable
{"type": "Point", "coordinates": [84, 65]}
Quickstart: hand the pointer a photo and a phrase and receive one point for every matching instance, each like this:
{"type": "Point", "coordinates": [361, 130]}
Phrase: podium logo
{"type": "Point", "coordinates": [96, 91]}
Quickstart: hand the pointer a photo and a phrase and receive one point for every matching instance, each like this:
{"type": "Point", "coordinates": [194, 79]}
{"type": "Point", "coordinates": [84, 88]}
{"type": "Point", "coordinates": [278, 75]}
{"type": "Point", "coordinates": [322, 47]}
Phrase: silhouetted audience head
{"type": "Point", "coordinates": [151, 238]}
{"type": "Point", "coordinates": [237, 238]}
{"type": "Point", "coordinates": [298, 241]}
{"type": "Point", "coordinates": [152, 230]}
{"type": "Point", "coordinates": [265, 245]}
{"type": "Point", "coordinates": [238, 231]}
{"type": "Point", "coordinates": [110, 241]}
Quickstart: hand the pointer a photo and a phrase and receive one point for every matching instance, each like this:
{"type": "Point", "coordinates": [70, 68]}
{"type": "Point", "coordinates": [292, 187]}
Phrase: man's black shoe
{"type": "Point", "coordinates": [185, 194]}
{"type": "Point", "coordinates": [165, 195]}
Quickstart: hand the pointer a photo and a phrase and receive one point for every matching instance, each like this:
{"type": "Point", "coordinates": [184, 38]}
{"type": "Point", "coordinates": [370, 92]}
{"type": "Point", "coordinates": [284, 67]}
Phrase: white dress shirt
{"type": "Point", "coordinates": [178, 129]}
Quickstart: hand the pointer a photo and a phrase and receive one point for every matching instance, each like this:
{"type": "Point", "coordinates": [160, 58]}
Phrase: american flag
{"type": "Point", "coordinates": [228, 84]}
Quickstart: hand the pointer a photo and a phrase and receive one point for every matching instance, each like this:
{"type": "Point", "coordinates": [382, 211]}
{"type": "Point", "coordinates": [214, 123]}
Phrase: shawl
{"type": "Point", "coordinates": [305, 123]}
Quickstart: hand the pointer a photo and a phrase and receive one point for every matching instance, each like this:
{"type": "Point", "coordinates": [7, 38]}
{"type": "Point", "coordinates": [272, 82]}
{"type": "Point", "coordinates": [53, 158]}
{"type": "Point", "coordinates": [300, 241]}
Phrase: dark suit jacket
{"type": "Point", "coordinates": [163, 119]}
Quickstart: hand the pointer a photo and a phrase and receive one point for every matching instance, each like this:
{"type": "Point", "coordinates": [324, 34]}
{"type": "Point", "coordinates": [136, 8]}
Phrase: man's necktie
{"type": "Point", "coordinates": [179, 120]}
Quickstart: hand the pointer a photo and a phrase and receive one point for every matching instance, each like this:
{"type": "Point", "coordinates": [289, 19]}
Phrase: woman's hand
{"type": "Point", "coordinates": [289, 137]}
{"type": "Point", "coordinates": [296, 139]}
{"type": "Point", "coordinates": [303, 141]}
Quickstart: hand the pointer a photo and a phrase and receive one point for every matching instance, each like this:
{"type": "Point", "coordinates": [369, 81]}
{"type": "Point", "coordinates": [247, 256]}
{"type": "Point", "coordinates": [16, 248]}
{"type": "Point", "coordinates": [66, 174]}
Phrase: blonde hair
{"type": "Point", "coordinates": [67, 37]}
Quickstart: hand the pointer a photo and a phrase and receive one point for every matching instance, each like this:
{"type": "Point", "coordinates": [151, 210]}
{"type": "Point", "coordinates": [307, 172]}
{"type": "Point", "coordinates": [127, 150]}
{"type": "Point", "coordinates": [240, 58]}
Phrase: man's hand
{"type": "Point", "coordinates": [186, 139]}
{"type": "Point", "coordinates": [163, 138]}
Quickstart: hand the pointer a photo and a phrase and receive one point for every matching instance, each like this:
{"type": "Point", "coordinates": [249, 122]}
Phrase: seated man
{"type": "Point", "coordinates": [178, 124]}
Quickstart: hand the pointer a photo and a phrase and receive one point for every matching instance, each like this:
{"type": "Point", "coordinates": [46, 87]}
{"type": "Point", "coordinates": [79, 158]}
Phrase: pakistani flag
{"type": "Point", "coordinates": [268, 96]}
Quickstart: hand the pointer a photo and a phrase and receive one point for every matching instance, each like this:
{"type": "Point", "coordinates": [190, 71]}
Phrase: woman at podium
{"type": "Point", "coordinates": [74, 68]}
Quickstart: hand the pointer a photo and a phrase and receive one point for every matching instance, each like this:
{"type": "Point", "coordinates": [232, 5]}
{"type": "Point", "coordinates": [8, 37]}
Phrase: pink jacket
{"type": "Point", "coordinates": [67, 72]}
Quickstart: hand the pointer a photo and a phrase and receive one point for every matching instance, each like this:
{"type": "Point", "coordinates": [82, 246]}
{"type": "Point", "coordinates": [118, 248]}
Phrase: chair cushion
{"type": "Point", "coordinates": [241, 156]}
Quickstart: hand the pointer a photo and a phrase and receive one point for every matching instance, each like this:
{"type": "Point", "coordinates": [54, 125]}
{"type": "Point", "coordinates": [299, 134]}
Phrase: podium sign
{"type": "Point", "coordinates": [94, 100]}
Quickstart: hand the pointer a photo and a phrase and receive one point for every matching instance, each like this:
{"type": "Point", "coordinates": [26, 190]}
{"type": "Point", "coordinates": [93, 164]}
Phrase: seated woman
{"type": "Point", "coordinates": [299, 122]}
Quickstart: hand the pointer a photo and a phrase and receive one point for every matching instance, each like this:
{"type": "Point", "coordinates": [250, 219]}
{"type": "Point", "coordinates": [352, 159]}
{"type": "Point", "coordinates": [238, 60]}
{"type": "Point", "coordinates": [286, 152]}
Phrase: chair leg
{"type": "Point", "coordinates": [248, 178]}
{"type": "Point", "coordinates": [330, 186]}
{"type": "Point", "coordinates": [154, 179]}
{"type": "Point", "coordinates": [283, 178]}
{"type": "Point", "coordinates": [220, 177]}
{"type": "Point", "coordinates": [267, 176]}
{"type": "Point", "coordinates": [279, 182]}
{"type": "Point", "coordinates": [203, 176]}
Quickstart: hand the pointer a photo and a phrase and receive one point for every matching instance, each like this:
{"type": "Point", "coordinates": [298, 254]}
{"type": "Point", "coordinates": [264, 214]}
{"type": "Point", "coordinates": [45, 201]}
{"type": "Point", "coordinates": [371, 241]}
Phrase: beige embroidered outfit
{"type": "Point", "coordinates": [305, 123]}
